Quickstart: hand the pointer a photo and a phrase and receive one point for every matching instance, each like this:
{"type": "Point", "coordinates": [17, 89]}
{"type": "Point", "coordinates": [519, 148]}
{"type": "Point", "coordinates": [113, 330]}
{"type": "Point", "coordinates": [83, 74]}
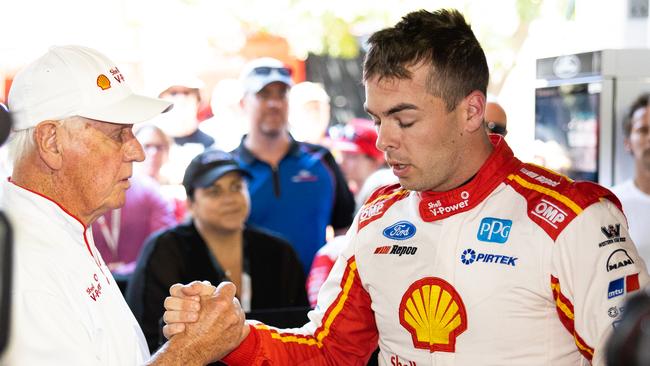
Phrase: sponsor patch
{"type": "Point", "coordinates": [304, 176]}
{"type": "Point", "coordinates": [398, 250]}
{"type": "Point", "coordinates": [470, 256]}
{"type": "Point", "coordinates": [434, 314]}
{"type": "Point", "coordinates": [401, 230]}
{"type": "Point", "coordinates": [622, 285]}
{"type": "Point", "coordinates": [549, 212]}
{"type": "Point", "coordinates": [494, 230]}
{"type": "Point", "coordinates": [613, 235]}
{"type": "Point", "coordinates": [396, 361]}
{"type": "Point", "coordinates": [612, 312]}
{"type": "Point", "coordinates": [95, 288]}
{"type": "Point", "coordinates": [540, 178]}
{"type": "Point", "coordinates": [618, 259]}
{"type": "Point", "coordinates": [438, 208]}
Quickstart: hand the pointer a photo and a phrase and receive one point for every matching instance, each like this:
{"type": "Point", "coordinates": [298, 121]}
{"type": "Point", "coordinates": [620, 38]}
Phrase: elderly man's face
{"type": "Point", "coordinates": [98, 163]}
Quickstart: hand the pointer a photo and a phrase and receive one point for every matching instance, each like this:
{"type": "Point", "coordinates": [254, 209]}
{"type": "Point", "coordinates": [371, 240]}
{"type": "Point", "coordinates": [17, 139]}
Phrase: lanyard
{"type": "Point", "coordinates": [111, 235]}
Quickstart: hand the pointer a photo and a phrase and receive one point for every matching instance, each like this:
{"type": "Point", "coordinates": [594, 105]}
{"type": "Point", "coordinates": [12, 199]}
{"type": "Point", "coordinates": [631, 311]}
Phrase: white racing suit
{"type": "Point", "coordinates": [520, 266]}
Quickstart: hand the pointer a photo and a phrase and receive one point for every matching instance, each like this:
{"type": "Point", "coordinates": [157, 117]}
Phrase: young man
{"type": "Point", "coordinates": [475, 258]}
{"type": "Point", "coordinates": [296, 188]}
{"type": "Point", "coordinates": [74, 148]}
{"type": "Point", "coordinates": [635, 193]}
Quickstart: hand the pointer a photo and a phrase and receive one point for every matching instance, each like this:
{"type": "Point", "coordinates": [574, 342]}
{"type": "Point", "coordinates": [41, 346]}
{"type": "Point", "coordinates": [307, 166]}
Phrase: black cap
{"type": "Point", "coordinates": [207, 167]}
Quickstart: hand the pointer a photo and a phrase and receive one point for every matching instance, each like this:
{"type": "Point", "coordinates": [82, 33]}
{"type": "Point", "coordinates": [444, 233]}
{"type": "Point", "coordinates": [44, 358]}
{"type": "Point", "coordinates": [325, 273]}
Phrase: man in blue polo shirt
{"type": "Point", "coordinates": [296, 188]}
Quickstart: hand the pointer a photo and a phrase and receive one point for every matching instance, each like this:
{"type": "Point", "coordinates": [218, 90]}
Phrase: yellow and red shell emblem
{"type": "Point", "coordinates": [103, 82]}
{"type": "Point", "coordinates": [434, 313]}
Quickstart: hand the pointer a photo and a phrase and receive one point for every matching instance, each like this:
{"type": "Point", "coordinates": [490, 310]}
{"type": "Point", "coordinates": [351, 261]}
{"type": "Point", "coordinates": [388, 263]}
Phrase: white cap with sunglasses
{"type": "Point", "coordinates": [263, 71]}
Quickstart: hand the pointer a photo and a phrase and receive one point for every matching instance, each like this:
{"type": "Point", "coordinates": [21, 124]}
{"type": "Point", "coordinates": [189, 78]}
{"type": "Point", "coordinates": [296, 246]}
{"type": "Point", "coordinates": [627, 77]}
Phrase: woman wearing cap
{"type": "Point", "coordinates": [215, 246]}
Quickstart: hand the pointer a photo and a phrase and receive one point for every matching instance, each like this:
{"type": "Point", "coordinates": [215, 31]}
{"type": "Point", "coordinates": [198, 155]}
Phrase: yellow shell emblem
{"type": "Point", "coordinates": [103, 82]}
{"type": "Point", "coordinates": [434, 313]}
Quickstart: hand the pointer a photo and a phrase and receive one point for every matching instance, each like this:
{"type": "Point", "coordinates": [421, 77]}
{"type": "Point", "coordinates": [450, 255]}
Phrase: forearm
{"type": "Point", "coordinates": [178, 351]}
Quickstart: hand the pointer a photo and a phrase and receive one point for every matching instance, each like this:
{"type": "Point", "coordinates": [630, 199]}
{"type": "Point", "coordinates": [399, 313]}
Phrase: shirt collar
{"type": "Point", "coordinates": [501, 162]}
{"type": "Point", "coordinates": [249, 158]}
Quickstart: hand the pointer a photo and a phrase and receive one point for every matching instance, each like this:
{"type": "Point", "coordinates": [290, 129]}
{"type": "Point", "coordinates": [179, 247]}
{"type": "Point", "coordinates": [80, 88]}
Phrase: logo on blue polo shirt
{"type": "Point", "coordinates": [400, 230]}
{"type": "Point", "coordinates": [494, 230]}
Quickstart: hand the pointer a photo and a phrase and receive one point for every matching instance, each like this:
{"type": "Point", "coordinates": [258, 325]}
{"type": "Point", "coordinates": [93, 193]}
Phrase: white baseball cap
{"type": "Point", "coordinates": [261, 72]}
{"type": "Point", "coordinates": [77, 81]}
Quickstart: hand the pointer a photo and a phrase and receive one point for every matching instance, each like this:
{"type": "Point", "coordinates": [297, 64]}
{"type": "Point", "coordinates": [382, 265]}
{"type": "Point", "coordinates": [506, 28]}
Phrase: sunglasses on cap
{"type": "Point", "coordinates": [266, 70]}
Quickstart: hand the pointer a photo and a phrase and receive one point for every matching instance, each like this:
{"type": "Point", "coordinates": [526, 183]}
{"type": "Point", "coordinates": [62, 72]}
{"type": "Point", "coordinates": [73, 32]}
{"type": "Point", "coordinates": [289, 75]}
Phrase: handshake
{"type": "Point", "coordinates": [206, 320]}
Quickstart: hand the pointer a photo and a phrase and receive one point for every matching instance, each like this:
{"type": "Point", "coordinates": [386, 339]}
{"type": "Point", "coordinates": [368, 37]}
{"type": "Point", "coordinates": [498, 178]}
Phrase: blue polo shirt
{"type": "Point", "coordinates": [298, 198]}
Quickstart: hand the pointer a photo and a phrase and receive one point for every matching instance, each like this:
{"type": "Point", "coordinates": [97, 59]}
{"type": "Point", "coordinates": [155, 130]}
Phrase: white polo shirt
{"type": "Point", "coordinates": [66, 307]}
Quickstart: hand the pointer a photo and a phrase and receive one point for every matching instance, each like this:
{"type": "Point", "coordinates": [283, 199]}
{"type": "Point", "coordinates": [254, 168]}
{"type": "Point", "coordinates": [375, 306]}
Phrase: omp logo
{"type": "Point", "coordinates": [401, 230]}
{"type": "Point", "coordinates": [549, 212]}
{"type": "Point", "coordinates": [494, 230]}
{"type": "Point", "coordinates": [612, 233]}
{"type": "Point", "coordinates": [371, 211]}
{"type": "Point", "coordinates": [622, 285]}
{"type": "Point", "coordinates": [618, 259]}
{"type": "Point", "coordinates": [470, 256]}
{"type": "Point", "coordinates": [398, 250]}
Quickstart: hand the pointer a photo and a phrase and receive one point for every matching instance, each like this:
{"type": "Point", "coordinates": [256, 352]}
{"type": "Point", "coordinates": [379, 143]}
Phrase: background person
{"type": "Point", "coordinates": [475, 257]}
{"type": "Point", "coordinates": [635, 192]}
{"type": "Point", "coordinates": [215, 245]}
{"type": "Point", "coordinates": [309, 112]}
{"type": "Point", "coordinates": [495, 118]}
{"type": "Point", "coordinates": [296, 188]}
{"type": "Point", "coordinates": [73, 149]}
{"type": "Point", "coordinates": [120, 233]}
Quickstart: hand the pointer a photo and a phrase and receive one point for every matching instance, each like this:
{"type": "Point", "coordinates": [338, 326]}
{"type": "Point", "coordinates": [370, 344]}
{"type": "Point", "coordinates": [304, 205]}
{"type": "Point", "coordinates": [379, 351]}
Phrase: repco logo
{"type": "Point", "coordinates": [549, 212]}
{"type": "Point", "coordinates": [396, 249]}
{"type": "Point", "coordinates": [371, 211]}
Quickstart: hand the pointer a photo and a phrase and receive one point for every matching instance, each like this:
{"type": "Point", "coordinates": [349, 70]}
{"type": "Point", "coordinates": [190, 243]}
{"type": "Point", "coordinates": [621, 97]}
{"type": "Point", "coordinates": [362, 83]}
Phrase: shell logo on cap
{"type": "Point", "coordinates": [434, 313]}
{"type": "Point", "coordinates": [103, 82]}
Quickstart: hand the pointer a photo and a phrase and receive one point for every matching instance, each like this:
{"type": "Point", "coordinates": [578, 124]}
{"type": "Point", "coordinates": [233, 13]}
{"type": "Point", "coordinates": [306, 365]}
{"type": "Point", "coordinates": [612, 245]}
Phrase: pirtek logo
{"type": "Point", "coordinates": [549, 212]}
{"type": "Point", "coordinates": [396, 249]}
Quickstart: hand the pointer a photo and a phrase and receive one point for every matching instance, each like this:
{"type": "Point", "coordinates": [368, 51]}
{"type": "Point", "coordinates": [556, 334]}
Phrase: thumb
{"type": "Point", "coordinates": [226, 289]}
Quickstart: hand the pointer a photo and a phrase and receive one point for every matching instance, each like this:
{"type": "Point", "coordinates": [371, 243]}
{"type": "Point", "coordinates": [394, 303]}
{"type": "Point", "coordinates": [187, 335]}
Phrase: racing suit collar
{"type": "Point", "coordinates": [439, 205]}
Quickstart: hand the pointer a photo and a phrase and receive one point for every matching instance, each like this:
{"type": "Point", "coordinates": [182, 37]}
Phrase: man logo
{"type": "Point", "coordinates": [494, 230]}
{"type": "Point", "coordinates": [611, 231]}
{"type": "Point", "coordinates": [618, 259]}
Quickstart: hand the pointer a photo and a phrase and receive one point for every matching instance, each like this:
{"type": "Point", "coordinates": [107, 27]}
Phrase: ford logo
{"type": "Point", "coordinates": [401, 230]}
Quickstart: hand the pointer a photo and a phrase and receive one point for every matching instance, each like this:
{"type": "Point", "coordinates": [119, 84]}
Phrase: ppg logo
{"type": "Point", "coordinates": [494, 230]}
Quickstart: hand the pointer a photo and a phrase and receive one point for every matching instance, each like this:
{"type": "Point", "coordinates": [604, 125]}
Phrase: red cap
{"type": "Point", "coordinates": [359, 136]}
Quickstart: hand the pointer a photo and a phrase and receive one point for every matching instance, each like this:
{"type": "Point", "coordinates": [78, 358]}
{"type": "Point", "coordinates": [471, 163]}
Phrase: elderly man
{"type": "Point", "coordinates": [73, 150]}
{"type": "Point", "coordinates": [475, 258]}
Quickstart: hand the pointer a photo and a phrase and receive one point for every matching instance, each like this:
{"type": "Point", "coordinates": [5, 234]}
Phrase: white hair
{"type": "Point", "coordinates": [21, 142]}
